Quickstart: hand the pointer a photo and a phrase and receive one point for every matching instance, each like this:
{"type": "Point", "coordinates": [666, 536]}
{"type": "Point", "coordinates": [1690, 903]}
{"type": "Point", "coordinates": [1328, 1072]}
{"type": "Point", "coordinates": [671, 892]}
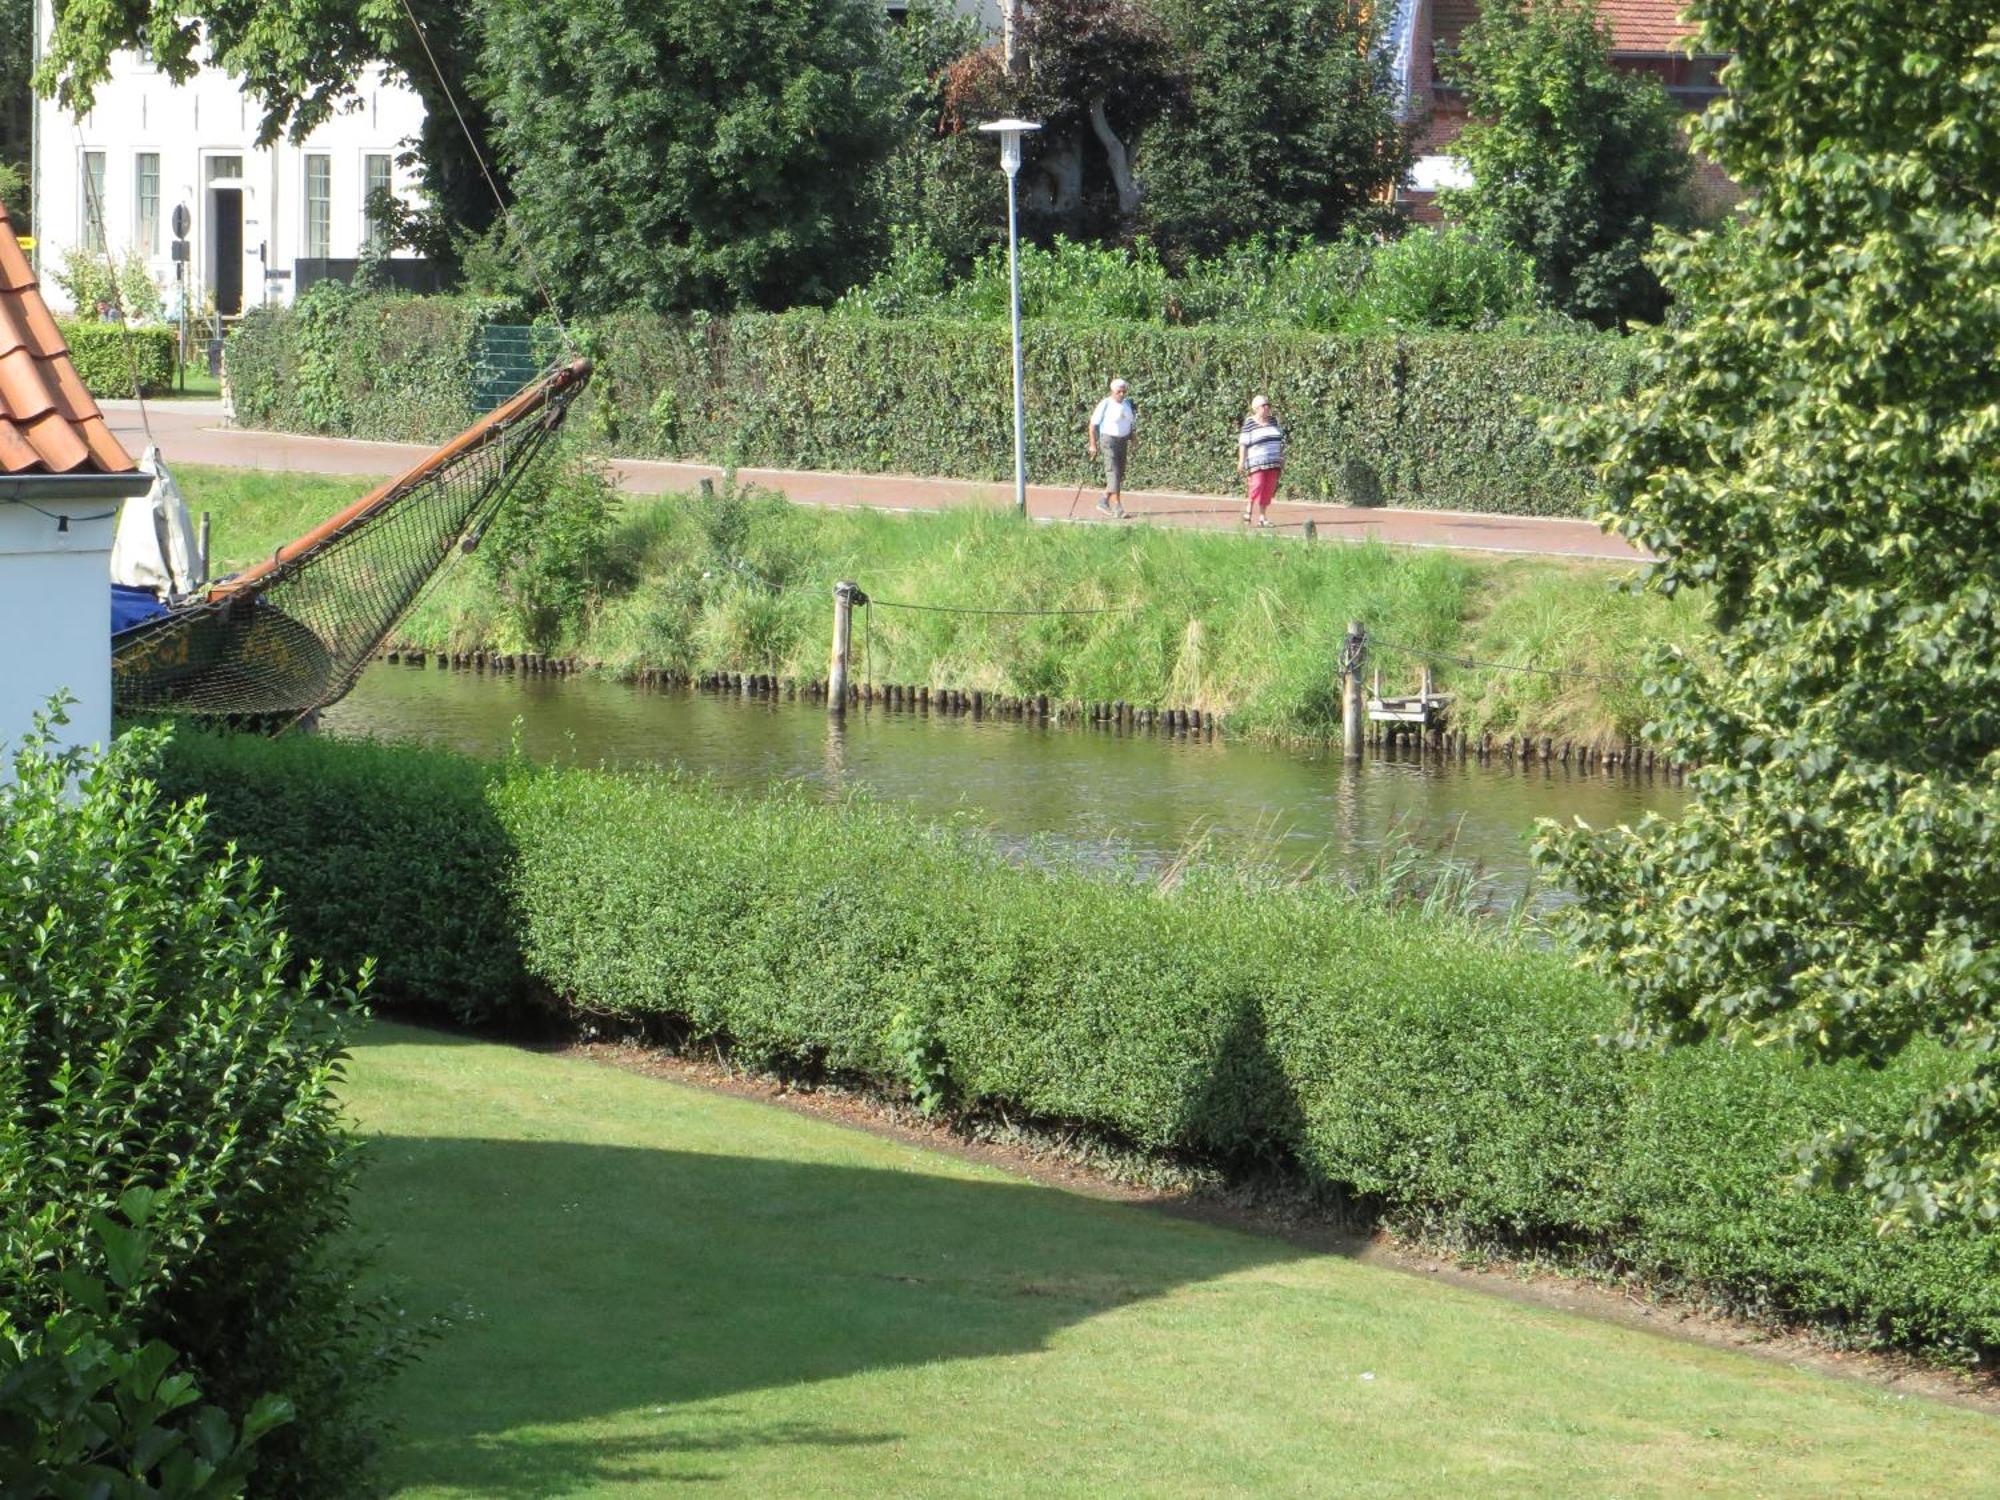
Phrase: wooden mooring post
{"type": "Point", "coordinates": [1353, 658]}
{"type": "Point", "coordinates": [845, 596]}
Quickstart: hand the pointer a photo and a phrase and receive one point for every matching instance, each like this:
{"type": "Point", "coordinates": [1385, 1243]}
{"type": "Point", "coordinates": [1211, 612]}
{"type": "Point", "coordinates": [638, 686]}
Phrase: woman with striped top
{"type": "Point", "coordinates": [1260, 453]}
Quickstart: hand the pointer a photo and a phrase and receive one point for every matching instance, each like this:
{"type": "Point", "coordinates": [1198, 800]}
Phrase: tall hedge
{"type": "Point", "coordinates": [1448, 1074]}
{"type": "Point", "coordinates": [387, 367]}
{"type": "Point", "coordinates": [1436, 421]}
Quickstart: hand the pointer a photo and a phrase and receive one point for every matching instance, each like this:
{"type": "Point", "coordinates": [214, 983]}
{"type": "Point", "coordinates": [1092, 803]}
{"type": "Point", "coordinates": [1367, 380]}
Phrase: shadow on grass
{"type": "Point", "coordinates": [615, 1286]}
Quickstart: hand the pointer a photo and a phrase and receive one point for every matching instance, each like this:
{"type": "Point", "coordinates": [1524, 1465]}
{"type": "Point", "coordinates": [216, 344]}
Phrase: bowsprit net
{"type": "Point", "coordinates": [291, 634]}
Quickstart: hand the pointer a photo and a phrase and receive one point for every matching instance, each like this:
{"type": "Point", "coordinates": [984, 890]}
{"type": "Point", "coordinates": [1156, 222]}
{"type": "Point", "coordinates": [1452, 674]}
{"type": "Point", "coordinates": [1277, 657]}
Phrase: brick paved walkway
{"type": "Point", "coordinates": [190, 432]}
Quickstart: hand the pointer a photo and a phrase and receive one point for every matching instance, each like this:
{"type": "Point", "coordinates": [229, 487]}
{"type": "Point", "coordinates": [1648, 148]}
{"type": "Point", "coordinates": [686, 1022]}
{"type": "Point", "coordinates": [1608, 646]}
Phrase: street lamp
{"type": "Point", "coordinates": [1010, 132]}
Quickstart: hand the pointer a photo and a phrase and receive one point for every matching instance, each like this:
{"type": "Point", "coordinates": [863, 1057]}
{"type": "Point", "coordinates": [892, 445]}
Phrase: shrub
{"type": "Point", "coordinates": [390, 855]}
{"type": "Point", "coordinates": [1444, 1073]}
{"type": "Point", "coordinates": [173, 1179]}
{"type": "Point", "coordinates": [92, 278]}
{"type": "Point", "coordinates": [108, 356]}
{"type": "Point", "coordinates": [351, 364]}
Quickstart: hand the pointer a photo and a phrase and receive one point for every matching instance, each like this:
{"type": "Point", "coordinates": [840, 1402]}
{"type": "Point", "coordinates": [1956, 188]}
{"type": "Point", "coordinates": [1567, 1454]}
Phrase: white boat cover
{"type": "Point", "coordinates": [155, 544]}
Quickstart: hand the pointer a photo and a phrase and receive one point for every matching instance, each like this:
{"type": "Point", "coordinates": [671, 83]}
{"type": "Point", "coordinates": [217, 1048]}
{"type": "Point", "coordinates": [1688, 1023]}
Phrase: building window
{"type": "Point", "coordinates": [319, 207]}
{"type": "Point", "coordinates": [93, 201]}
{"type": "Point", "coordinates": [146, 202]}
{"type": "Point", "coordinates": [375, 185]}
{"type": "Point", "coordinates": [223, 166]}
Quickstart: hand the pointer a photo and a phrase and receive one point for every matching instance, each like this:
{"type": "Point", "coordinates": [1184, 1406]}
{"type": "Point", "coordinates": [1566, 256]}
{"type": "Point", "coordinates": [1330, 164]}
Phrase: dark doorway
{"type": "Point", "coordinates": [225, 217]}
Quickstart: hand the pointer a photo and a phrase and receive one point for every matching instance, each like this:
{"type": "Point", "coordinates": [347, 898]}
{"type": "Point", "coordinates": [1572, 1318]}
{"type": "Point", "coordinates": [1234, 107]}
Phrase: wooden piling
{"type": "Point", "coordinates": [843, 625]}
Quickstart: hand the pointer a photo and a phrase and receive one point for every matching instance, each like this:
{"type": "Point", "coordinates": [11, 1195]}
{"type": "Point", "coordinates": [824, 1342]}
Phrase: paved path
{"type": "Point", "coordinates": [191, 432]}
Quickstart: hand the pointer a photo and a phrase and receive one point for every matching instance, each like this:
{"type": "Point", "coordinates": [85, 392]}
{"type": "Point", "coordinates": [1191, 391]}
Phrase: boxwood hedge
{"type": "Point", "coordinates": [1439, 421]}
{"type": "Point", "coordinates": [1446, 1074]}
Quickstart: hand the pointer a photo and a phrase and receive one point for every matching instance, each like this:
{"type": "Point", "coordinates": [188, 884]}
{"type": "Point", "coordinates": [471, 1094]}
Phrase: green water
{"type": "Point", "coordinates": [1096, 792]}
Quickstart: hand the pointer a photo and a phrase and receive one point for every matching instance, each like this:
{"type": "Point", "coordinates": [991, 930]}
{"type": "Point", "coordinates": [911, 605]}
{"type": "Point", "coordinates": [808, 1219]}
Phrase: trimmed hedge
{"type": "Point", "coordinates": [1438, 421]}
{"type": "Point", "coordinates": [105, 355]}
{"type": "Point", "coordinates": [388, 368]}
{"type": "Point", "coordinates": [1446, 1073]}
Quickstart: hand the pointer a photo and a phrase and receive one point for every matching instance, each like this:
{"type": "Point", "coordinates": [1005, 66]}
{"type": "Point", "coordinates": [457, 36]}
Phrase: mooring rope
{"type": "Point", "coordinates": [967, 609]}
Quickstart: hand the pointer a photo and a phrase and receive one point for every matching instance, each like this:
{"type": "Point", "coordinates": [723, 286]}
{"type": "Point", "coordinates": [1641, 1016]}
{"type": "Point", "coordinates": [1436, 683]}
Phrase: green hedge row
{"type": "Point", "coordinates": [1447, 1074]}
{"type": "Point", "coordinates": [106, 354]}
{"type": "Point", "coordinates": [1438, 421]}
{"type": "Point", "coordinates": [387, 367]}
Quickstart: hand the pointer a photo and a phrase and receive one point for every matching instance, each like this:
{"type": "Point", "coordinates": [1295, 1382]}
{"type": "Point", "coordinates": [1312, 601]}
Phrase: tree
{"type": "Point", "coordinates": [1287, 126]}
{"type": "Point", "coordinates": [1572, 160]}
{"type": "Point", "coordinates": [682, 154]}
{"type": "Point", "coordinates": [300, 64]}
{"type": "Point", "coordinates": [940, 195]}
{"type": "Point", "coordinates": [1098, 73]}
{"type": "Point", "coordinates": [1818, 447]}
{"type": "Point", "coordinates": [17, 38]}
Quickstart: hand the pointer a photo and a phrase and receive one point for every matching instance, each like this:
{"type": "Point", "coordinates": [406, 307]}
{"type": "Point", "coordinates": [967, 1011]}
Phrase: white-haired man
{"type": "Point", "coordinates": [1111, 429]}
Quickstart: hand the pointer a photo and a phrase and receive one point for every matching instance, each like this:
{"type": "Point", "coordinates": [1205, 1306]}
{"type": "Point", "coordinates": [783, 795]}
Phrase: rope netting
{"type": "Point", "coordinates": [291, 634]}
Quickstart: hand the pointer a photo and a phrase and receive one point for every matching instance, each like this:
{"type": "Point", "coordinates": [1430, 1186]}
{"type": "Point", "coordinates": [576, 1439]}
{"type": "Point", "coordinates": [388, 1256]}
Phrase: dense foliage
{"type": "Point", "coordinates": [1445, 1075]}
{"type": "Point", "coordinates": [1439, 421]}
{"type": "Point", "coordinates": [1444, 279]}
{"type": "Point", "coordinates": [1286, 124]}
{"type": "Point", "coordinates": [1573, 161]}
{"type": "Point", "coordinates": [392, 368]}
{"type": "Point", "coordinates": [174, 1182]}
{"type": "Point", "coordinates": [17, 65]}
{"type": "Point", "coordinates": [392, 859]}
{"type": "Point", "coordinates": [1817, 445]}
{"type": "Point", "coordinates": [111, 358]}
{"type": "Point", "coordinates": [687, 154]}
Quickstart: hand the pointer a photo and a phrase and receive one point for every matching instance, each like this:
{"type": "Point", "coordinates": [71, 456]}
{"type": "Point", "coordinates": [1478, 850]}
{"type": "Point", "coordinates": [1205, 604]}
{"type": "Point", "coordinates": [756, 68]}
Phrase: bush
{"type": "Point", "coordinates": [1428, 279]}
{"type": "Point", "coordinates": [1440, 421]}
{"type": "Point", "coordinates": [173, 1179]}
{"type": "Point", "coordinates": [107, 356]}
{"type": "Point", "coordinates": [375, 853]}
{"type": "Point", "coordinates": [1446, 1074]}
{"type": "Point", "coordinates": [350, 364]}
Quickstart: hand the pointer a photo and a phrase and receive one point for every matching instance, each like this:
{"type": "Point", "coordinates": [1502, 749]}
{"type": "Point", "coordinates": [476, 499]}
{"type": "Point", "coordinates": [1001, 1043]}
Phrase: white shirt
{"type": "Point", "coordinates": [1113, 418]}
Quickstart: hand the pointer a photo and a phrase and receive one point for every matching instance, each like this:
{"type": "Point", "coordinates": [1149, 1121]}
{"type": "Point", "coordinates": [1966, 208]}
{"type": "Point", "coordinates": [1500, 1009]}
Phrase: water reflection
{"type": "Point", "coordinates": [1107, 792]}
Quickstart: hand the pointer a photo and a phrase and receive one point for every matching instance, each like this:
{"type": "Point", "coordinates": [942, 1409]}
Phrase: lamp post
{"type": "Point", "coordinates": [1010, 132]}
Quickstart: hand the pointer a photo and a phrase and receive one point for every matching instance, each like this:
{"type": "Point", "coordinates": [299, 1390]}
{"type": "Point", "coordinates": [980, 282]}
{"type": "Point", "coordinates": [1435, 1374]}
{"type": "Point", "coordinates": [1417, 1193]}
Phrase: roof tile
{"type": "Point", "coordinates": [48, 422]}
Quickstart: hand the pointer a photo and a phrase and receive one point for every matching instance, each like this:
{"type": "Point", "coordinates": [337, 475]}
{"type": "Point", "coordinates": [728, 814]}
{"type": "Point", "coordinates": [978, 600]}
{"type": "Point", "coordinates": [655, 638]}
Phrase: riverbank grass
{"type": "Point", "coordinates": [1247, 627]}
{"type": "Point", "coordinates": [653, 1285]}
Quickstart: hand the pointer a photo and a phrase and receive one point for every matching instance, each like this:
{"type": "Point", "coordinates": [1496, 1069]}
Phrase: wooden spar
{"type": "Point", "coordinates": [484, 430]}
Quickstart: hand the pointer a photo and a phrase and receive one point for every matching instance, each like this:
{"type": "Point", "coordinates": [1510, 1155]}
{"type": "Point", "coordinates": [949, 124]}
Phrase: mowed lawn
{"type": "Point", "coordinates": [654, 1286]}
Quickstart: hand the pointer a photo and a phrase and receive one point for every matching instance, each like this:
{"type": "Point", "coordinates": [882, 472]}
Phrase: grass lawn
{"type": "Point", "coordinates": [656, 1286]}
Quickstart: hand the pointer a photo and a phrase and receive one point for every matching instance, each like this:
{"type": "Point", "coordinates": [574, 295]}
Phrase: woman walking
{"type": "Point", "coordinates": [1260, 453]}
{"type": "Point", "coordinates": [1112, 422]}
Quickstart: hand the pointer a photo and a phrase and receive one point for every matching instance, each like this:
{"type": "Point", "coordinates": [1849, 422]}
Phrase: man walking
{"type": "Point", "coordinates": [1111, 427]}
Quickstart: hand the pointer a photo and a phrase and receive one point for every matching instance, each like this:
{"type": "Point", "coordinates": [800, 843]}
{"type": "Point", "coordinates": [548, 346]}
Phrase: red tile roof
{"type": "Point", "coordinates": [48, 422]}
{"type": "Point", "coordinates": [1636, 25]}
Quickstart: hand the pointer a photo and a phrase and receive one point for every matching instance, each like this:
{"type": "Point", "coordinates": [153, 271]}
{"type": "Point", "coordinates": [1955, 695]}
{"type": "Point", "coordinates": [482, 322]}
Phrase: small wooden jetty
{"type": "Point", "coordinates": [1427, 709]}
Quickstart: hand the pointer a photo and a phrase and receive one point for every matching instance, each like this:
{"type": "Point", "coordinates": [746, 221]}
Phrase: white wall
{"type": "Point", "coordinates": [138, 110]}
{"type": "Point", "coordinates": [55, 617]}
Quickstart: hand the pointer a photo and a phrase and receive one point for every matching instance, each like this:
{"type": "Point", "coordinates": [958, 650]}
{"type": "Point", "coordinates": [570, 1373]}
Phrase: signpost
{"type": "Point", "coordinates": [179, 250]}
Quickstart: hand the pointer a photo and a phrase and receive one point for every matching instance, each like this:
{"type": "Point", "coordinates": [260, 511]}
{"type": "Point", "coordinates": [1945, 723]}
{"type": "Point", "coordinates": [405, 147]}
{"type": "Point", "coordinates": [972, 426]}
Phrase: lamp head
{"type": "Point", "coordinates": [1010, 132]}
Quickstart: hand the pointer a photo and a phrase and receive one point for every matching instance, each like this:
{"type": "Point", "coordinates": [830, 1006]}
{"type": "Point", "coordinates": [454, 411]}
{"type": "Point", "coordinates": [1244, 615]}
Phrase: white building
{"type": "Point", "coordinates": [259, 218]}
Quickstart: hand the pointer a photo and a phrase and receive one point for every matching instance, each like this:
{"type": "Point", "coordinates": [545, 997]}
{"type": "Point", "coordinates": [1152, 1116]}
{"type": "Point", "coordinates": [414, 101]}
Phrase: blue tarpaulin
{"type": "Point", "coordinates": [133, 606]}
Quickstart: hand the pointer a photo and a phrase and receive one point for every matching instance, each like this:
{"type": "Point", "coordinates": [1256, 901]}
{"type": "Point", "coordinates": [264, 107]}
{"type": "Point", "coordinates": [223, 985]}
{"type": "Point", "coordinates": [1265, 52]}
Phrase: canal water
{"type": "Point", "coordinates": [1094, 792]}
